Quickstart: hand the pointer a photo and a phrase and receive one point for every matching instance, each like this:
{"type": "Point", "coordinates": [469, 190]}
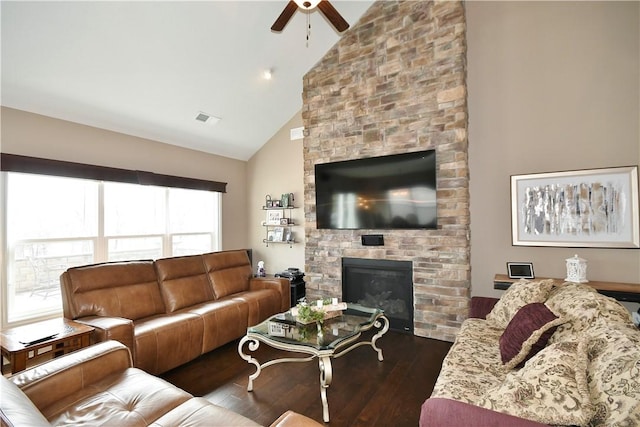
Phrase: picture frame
{"type": "Point", "coordinates": [276, 203]}
{"type": "Point", "coordinates": [278, 234]}
{"type": "Point", "coordinates": [284, 221]}
{"type": "Point", "coordinates": [270, 235]}
{"type": "Point", "coordinates": [274, 217]}
{"type": "Point", "coordinates": [589, 208]}
{"type": "Point", "coordinates": [288, 236]}
{"type": "Point", "coordinates": [520, 270]}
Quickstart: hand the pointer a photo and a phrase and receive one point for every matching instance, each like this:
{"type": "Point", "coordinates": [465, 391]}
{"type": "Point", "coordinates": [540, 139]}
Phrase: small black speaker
{"type": "Point", "coordinates": [372, 240]}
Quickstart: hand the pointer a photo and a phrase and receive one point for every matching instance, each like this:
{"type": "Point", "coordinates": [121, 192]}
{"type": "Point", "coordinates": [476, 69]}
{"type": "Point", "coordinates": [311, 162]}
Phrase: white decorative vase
{"type": "Point", "coordinates": [576, 269]}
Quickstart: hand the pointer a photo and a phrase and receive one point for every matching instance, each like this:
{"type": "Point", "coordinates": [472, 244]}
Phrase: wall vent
{"type": "Point", "coordinates": [202, 117]}
{"type": "Point", "coordinates": [207, 118]}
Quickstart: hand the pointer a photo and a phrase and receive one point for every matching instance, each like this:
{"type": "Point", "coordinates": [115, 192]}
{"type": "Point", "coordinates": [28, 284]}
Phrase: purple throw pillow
{"type": "Point", "coordinates": [527, 333]}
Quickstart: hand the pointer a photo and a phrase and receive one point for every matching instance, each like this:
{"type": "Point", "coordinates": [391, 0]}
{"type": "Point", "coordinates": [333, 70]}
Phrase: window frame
{"type": "Point", "coordinates": [45, 167]}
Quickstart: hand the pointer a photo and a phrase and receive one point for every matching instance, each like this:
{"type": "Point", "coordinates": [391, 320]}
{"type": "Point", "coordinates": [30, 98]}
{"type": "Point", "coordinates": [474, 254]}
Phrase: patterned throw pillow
{"type": "Point", "coordinates": [526, 334]}
{"type": "Point", "coordinates": [517, 296]}
{"type": "Point", "coordinates": [551, 388]}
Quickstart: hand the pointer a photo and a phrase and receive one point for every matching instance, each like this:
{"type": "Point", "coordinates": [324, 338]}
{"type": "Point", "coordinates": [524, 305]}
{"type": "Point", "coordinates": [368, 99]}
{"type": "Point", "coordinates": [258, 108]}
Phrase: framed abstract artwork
{"type": "Point", "coordinates": [583, 208]}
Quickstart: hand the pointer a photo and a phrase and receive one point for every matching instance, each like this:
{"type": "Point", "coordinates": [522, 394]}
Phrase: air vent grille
{"type": "Point", "coordinates": [202, 117]}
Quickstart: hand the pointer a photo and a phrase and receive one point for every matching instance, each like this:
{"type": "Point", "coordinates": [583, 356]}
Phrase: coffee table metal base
{"type": "Point", "coordinates": [324, 356]}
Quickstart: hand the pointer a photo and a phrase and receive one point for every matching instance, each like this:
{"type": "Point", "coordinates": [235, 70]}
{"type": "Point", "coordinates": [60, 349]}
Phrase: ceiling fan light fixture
{"type": "Point", "coordinates": [324, 6]}
{"type": "Point", "coordinates": [307, 4]}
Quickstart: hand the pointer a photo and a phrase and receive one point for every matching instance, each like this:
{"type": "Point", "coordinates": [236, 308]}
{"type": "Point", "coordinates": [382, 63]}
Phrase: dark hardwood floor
{"type": "Point", "coordinates": [364, 391]}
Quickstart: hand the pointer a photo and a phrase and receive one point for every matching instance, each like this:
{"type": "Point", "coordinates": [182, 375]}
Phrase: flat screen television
{"type": "Point", "coordinates": [388, 192]}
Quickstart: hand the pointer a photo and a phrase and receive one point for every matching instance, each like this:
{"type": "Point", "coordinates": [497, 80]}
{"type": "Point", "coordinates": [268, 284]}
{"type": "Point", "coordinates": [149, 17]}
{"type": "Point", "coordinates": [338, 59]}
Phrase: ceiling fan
{"type": "Point", "coordinates": [325, 7]}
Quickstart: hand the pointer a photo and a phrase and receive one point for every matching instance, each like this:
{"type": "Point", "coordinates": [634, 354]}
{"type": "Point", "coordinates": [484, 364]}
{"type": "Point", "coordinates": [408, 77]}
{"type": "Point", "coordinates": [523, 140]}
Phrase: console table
{"type": "Point", "coordinates": [621, 291]}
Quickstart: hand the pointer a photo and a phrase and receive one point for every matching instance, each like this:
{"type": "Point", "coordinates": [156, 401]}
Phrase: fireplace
{"type": "Point", "coordinates": [383, 284]}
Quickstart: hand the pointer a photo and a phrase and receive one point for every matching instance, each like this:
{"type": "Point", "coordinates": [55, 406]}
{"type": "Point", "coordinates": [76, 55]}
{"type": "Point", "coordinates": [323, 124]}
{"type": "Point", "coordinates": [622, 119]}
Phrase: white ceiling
{"type": "Point", "coordinates": [146, 68]}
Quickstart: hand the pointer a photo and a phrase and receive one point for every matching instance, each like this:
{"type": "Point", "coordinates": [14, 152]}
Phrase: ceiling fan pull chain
{"type": "Point", "coordinates": [308, 29]}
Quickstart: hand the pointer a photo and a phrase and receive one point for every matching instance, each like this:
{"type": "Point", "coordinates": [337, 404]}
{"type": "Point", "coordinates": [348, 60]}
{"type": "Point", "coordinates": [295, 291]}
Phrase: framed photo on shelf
{"type": "Point", "coordinates": [278, 234]}
{"type": "Point", "coordinates": [589, 208]}
{"type": "Point", "coordinates": [270, 236]}
{"type": "Point", "coordinates": [274, 217]}
{"type": "Point", "coordinates": [288, 236]}
{"type": "Point", "coordinates": [284, 221]}
{"type": "Point", "coordinates": [520, 270]}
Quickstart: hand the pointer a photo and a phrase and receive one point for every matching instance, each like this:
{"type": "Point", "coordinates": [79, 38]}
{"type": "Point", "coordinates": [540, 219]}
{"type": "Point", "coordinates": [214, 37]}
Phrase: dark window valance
{"type": "Point", "coordinates": [26, 164]}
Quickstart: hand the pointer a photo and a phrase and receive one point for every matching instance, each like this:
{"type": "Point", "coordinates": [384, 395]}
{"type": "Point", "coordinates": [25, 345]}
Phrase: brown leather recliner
{"type": "Point", "coordinates": [98, 386]}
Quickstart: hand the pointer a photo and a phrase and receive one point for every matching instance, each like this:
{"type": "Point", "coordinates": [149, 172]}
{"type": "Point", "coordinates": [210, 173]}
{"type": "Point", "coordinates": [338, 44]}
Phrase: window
{"type": "Point", "coordinates": [53, 223]}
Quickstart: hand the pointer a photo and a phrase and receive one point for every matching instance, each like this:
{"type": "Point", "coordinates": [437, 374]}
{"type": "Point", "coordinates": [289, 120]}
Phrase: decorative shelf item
{"type": "Point", "coordinates": [576, 269]}
{"type": "Point", "coordinates": [278, 222]}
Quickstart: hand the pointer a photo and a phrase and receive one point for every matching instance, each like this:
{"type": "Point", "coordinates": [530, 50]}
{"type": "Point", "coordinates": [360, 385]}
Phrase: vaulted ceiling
{"type": "Point", "coordinates": [148, 68]}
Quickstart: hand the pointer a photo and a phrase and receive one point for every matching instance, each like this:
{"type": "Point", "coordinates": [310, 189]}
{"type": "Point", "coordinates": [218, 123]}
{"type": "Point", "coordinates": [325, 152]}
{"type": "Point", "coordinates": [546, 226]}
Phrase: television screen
{"type": "Point", "coordinates": [388, 192]}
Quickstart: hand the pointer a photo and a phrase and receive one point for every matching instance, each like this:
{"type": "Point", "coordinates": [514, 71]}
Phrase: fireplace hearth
{"type": "Point", "coordinates": [383, 284]}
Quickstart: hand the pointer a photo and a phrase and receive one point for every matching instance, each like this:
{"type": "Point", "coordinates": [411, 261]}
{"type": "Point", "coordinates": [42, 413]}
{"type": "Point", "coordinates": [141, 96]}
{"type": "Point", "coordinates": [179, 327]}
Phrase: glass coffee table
{"type": "Point", "coordinates": [334, 338]}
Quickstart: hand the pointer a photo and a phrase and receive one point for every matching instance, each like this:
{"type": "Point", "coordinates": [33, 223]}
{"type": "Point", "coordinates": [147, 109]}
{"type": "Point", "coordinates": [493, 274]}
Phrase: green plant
{"type": "Point", "coordinates": [307, 313]}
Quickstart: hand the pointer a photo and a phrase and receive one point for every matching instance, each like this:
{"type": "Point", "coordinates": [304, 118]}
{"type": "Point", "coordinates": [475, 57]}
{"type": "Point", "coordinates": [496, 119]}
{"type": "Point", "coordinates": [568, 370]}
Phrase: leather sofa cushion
{"type": "Point", "coordinates": [229, 272]}
{"type": "Point", "coordinates": [109, 289]}
{"type": "Point", "coordinates": [224, 321]}
{"type": "Point", "coordinates": [183, 282]}
{"type": "Point", "coordinates": [164, 342]}
{"type": "Point", "coordinates": [16, 409]}
{"type": "Point", "coordinates": [293, 419]}
{"type": "Point", "coordinates": [262, 303]}
{"type": "Point", "coordinates": [129, 398]}
{"type": "Point", "coordinates": [200, 412]}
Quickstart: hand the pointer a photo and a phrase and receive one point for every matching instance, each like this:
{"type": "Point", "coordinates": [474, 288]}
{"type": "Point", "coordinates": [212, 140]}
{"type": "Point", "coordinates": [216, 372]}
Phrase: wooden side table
{"type": "Point", "coordinates": [69, 336]}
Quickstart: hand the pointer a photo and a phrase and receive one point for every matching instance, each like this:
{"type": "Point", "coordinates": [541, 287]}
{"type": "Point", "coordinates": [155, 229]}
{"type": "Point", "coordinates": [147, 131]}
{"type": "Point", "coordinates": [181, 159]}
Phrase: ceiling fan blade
{"type": "Point", "coordinates": [284, 17]}
{"type": "Point", "coordinates": [333, 16]}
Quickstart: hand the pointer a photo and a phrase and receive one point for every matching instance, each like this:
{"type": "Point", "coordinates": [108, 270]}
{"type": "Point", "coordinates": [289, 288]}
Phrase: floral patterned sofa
{"type": "Point", "coordinates": [544, 355]}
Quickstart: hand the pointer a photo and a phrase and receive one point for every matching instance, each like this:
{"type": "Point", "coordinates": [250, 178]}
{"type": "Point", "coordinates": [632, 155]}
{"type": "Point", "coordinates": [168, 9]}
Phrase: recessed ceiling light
{"type": "Point", "coordinates": [267, 75]}
{"type": "Point", "coordinates": [207, 118]}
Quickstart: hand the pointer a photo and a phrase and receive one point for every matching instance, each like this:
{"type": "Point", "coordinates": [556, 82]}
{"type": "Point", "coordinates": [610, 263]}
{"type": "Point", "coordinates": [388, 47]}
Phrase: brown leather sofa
{"type": "Point", "coordinates": [172, 310]}
{"type": "Point", "coordinates": [98, 386]}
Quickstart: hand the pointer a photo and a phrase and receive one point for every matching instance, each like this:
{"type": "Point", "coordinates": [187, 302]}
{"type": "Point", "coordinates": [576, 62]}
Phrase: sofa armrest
{"type": "Point", "coordinates": [481, 306]}
{"type": "Point", "coordinates": [437, 412]}
{"type": "Point", "coordinates": [16, 409]}
{"type": "Point", "coordinates": [282, 285]}
{"type": "Point", "coordinates": [293, 419]}
{"type": "Point", "coordinates": [47, 383]}
{"type": "Point", "coordinates": [110, 328]}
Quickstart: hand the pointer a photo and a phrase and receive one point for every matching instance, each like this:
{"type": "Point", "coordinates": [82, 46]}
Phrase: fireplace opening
{"type": "Point", "coordinates": [383, 284]}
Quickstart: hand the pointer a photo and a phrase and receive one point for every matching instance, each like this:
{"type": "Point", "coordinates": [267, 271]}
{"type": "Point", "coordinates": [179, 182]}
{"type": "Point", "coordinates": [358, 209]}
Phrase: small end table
{"type": "Point", "coordinates": [69, 336]}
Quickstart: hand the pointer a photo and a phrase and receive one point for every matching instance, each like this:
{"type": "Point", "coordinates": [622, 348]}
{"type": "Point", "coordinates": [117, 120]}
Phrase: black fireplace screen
{"type": "Point", "coordinates": [383, 284]}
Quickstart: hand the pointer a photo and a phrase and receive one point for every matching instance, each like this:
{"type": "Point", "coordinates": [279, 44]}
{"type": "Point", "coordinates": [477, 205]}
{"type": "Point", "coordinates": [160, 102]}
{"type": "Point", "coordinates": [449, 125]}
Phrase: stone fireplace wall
{"type": "Point", "coordinates": [395, 83]}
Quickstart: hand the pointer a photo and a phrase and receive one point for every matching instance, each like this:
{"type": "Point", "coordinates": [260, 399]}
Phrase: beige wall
{"type": "Point", "coordinates": [275, 169]}
{"type": "Point", "coordinates": [39, 136]}
{"type": "Point", "coordinates": [553, 86]}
